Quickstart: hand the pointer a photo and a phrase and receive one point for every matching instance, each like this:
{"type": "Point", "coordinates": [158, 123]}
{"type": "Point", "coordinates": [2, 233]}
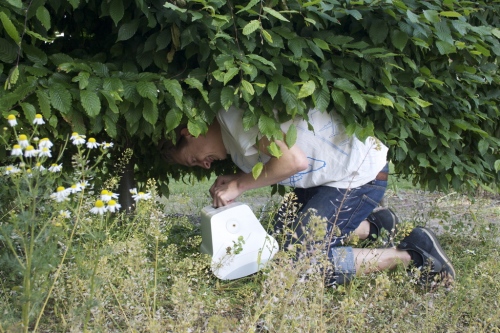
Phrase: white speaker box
{"type": "Point", "coordinates": [236, 240]}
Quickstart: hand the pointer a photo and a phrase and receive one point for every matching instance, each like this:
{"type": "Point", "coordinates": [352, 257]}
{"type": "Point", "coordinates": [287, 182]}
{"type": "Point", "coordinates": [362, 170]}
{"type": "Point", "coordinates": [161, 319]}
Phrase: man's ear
{"type": "Point", "coordinates": [185, 132]}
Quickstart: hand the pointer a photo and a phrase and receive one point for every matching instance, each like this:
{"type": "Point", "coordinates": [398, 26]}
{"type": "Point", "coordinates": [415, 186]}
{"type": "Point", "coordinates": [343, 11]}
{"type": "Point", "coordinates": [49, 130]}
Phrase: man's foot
{"type": "Point", "coordinates": [428, 256]}
{"type": "Point", "coordinates": [382, 226]}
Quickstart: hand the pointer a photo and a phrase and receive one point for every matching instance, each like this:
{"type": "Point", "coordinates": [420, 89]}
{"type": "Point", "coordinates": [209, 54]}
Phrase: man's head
{"type": "Point", "coordinates": [195, 151]}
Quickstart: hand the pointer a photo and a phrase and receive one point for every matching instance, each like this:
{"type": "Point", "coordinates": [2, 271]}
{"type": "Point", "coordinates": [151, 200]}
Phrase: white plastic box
{"type": "Point", "coordinates": [236, 240]}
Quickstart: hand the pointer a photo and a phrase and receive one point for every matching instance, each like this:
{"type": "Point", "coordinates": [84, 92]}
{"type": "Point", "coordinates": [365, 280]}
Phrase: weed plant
{"type": "Point", "coordinates": [73, 261]}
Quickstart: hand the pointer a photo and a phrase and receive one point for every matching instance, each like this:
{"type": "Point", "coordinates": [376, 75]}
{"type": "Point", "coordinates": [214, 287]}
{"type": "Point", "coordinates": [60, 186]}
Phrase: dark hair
{"type": "Point", "coordinates": [169, 146]}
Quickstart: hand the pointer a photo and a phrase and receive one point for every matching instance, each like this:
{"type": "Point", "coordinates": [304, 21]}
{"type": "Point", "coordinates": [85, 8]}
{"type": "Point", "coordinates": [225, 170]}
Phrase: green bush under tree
{"type": "Point", "coordinates": [420, 75]}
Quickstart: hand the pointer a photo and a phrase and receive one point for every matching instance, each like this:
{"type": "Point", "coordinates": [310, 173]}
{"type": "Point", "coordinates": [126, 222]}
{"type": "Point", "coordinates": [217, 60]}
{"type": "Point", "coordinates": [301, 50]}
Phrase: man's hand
{"type": "Point", "coordinates": [225, 190]}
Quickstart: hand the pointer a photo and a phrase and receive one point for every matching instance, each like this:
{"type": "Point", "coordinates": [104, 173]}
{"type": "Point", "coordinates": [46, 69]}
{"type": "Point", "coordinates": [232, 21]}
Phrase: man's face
{"type": "Point", "coordinates": [200, 151]}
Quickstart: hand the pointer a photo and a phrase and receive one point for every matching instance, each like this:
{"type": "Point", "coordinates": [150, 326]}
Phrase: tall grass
{"type": "Point", "coordinates": [143, 272]}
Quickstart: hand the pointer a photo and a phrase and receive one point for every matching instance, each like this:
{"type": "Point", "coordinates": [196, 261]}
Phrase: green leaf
{"type": "Point", "coordinates": [44, 103]}
{"type": "Point", "coordinates": [399, 39]}
{"type": "Point", "coordinates": [90, 102]}
{"type": "Point", "coordinates": [272, 89]}
{"type": "Point", "coordinates": [378, 31]}
{"type": "Point", "coordinates": [60, 98]}
{"type": "Point", "coordinates": [29, 111]}
{"type": "Point", "coordinates": [251, 27]}
{"type": "Point", "coordinates": [116, 11]}
{"type": "Point", "coordinates": [150, 112]}
{"type": "Point", "coordinates": [173, 119]}
{"type": "Point", "coordinates": [8, 51]}
{"type": "Point", "coordinates": [421, 102]}
{"type": "Point", "coordinates": [275, 14]}
{"type": "Point", "coordinates": [257, 170]}
{"type": "Point", "coordinates": [247, 86]}
{"type": "Point", "coordinates": [227, 97]}
{"type": "Point", "coordinates": [274, 150]}
{"type": "Point", "coordinates": [450, 14]}
{"type": "Point", "coordinates": [497, 165]}
{"type": "Point", "coordinates": [10, 28]}
{"type": "Point", "coordinates": [307, 89]}
{"type": "Point", "coordinates": [194, 128]}
{"type": "Point", "coordinates": [195, 83]}
{"type": "Point", "coordinates": [358, 99]}
{"type": "Point", "coordinates": [175, 90]}
{"type": "Point", "coordinates": [248, 6]}
{"type": "Point", "coordinates": [147, 90]}
{"type": "Point", "coordinates": [262, 60]}
{"type": "Point", "coordinates": [291, 136]}
{"type": "Point", "coordinates": [43, 15]}
{"type": "Point", "coordinates": [174, 7]}
{"type": "Point", "coordinates": [267, 36]}
{"type": "Point", "coordinates": [267, 126]}
{"type": "Point", "coordinates": [231, 72]}
{"type": "Point", "coordinates": [339, 98]}
{"type": "Point", "coordinates": [483, 147]}
{"type": "Point", "coordinates": [16, 3]}
{"type": "Point", "coordinates": [127, 30]}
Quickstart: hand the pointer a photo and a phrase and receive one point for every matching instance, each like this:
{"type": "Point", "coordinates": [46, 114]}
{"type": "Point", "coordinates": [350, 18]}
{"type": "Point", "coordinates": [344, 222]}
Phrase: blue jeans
{"type": "Point", "coordinates": [344, 210]}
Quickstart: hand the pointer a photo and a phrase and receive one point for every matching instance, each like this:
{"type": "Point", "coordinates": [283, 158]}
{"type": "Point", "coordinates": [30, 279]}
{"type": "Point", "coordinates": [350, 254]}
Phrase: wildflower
{"type": "Point", "coordinates": [140, 195]}
{"type": "Point", "coordinates": [98, 208]}
{"type": "Point", "coordinates": [77, 139]}
{"type": "Point", "coordinates": [39, 167]}
{"type": "Point", "coordinates": [55, 168]}
{"type": "Point", "coordinates": [12, 120]}
{"type": "Point", "coordinates": [29, 173]}
{"type": "Point", "coordinates": [23, 141]}
{"type": "Point", "coordinates": [16, 150]}
{"type": "Point", "coordinates": [106, 145]}
{"type": "Point", "coordinates": [74, 188]}
{"type": "Point", "coordinates": [108, 195]}
{"type": "Point", "coordinates": [45, 152]}
{"type": "Point", "coordinates": [83, 184]}
{"type": "Point", "coordinates": [38, 119]}
{"type": "Point", "coordinates": [91, 143]}
{"type": "Point", "coordinates": [45, 143]}
{"type": "Point", "coordinates": [113, 206]}
{"type": "Point", "coordinates": [10, 169]}
{"type": "Point", "coordinates": [65, 214]}
{"type": "Point", "coordinates": [30, 151]}
{"type": "Point", "coordinates": [60, 195]}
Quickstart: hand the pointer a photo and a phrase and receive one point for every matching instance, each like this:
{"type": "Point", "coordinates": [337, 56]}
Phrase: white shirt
{"type": "Point", "coordinates": [335, 158]}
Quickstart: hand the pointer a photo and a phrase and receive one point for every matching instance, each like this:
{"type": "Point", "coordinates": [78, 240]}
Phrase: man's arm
{"type": "Point", "coordinates": [229, 187]}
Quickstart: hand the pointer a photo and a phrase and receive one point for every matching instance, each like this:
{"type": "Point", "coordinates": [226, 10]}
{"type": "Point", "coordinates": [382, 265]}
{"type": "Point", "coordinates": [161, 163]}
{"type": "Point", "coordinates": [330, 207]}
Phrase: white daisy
{"type": "Point", "coordinates": [113, 206]}
{"type": "Point", "coordinates": [133, 191]}
{"type": "Point", "coordinates": [16, 150]}
{"type": "Point", "coordinates": [55, 168]}
{"type": "Point", "coordinates": [38, 166]}
{"type": "Point", "coordinates": [66, 214]}
{"type": "Point", "coordinates": [105, 195]}
{"type": "Point", "coordinates": [45, 152]}
{"type": "Point", "coordinates": [91, 143]}
{"type": "Point", "coordinates": [45, 143]}
{"type": "Point", "coordinates": [12, 120]}
{"type": "Point", "coordinates": [141, 196]}
{"type": "Point", "coordinates": [106, 145]}
{"type": "Point", "coordinates": [98, 208]}
{"type": "Point", "coordinates": [10, 169]}
{"type": "Point", "coordinates": [79, 141]}
{"type": "Point", "coordinates": [83, 184]}
{"type": "Point", "coordinates": [60, 195]}
{"type": "Point", "coordinates": [38, 119]}
{"type": "Point", "coordinates": [74, 188]}
{"type": "Point", "coordinates": [23, 141]}
{"type": "Point", "coordinates": [29, 173]}
{"type": "Point", "coordinates": [30, 151]}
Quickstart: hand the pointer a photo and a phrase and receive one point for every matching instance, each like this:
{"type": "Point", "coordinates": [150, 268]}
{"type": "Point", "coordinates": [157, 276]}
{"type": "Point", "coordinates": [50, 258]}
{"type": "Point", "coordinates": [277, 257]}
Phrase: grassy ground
{"type": "Point", "coordinates": [144, 273]}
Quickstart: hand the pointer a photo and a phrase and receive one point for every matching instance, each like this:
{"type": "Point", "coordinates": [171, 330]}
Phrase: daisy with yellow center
{"type": "Point", "coordinates": [98, 208]}
{"type": "Point", "coordinates": [55, 167]}
{"type": "Point", "coordinates": [45, 143]}
{"type": "Point", "coordinates": [12, 120]}
{"type": "Point", "coordinates": [91, 143]}
{"type": "Point", "coordinates": [113, 206]}
{"type": "Point", "coordinates": [38, 120]}
{"type": "Point", "coordinates": [11, 170]}
{"type": "Point", "coordinates": [60, 195]}
{"type": "Point", "coordinates": [23, 141]}
{"type": "Point", "coordinates": [16, 150]}
{"type": "Point", "coordinates": [30, 151]}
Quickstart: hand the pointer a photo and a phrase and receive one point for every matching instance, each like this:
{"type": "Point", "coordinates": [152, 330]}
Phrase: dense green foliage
{"type": "Point", "coordinates": [422, 75]}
